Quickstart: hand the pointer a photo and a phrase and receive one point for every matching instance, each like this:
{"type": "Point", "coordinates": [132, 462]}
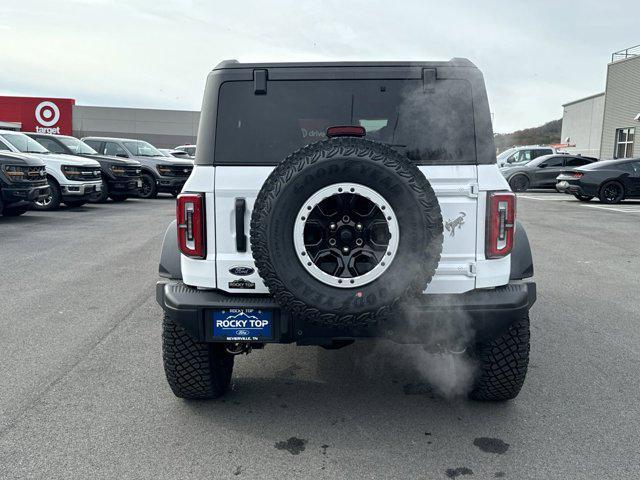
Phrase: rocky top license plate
{"type": "Point", "coordinates": [242, 324]}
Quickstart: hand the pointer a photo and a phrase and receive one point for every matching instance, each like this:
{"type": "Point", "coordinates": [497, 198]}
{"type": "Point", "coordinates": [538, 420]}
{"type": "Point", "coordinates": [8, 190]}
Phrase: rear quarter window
{"type": "Point", "coordinates": [428, 126]}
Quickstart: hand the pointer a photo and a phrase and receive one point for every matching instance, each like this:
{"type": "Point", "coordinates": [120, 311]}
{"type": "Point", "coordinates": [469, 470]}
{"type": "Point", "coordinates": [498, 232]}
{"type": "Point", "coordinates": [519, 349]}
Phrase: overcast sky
{"type": "Point", "coordinates": [535, 55]}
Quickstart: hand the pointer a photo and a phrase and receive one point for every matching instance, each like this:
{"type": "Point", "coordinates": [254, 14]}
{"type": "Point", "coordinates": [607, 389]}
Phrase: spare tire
{"type": "Point", "coordinates": [343, 230]}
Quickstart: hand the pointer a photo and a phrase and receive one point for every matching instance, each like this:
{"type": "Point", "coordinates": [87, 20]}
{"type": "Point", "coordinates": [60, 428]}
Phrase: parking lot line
{"type": "Point", "coordinates": [621, 208]}
{"type": "Point", "coordinates": [546, 199]}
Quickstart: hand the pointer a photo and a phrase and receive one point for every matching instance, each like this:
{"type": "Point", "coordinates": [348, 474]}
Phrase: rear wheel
{"type": "Point", "coordinates": [149, 188]}
{"type": "Point", "coordinates": [583, 198]}
{"type": "Point", "coordinates": [194, 370]}
{"type": "Point", "coordinates": [52, 200]}
{"type": "Point", "coordinates": [611, 192]}
{"type": "Point", "coordinates": [519, 183]}
{"type": "Point", "coordinates": [503, 363]}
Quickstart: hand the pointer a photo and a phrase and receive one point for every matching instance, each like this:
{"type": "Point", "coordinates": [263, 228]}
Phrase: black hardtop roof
{"type": "Point", "coordinates": [454, 62]}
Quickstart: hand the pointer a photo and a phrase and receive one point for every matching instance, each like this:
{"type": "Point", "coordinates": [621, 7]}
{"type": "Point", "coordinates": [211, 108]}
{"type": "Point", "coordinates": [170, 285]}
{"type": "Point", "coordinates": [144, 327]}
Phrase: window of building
{"type": "Point", "coordinates": [624, 142]}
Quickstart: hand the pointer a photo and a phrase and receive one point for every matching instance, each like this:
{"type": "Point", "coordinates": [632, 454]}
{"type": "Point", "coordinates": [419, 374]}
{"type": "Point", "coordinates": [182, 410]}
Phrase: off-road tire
{"type": "Point", "coordinates": [503, 363]}
{"type": "Point", "coordinates": [328, 162]}
{"type": "Point", "coordinates": [149, 188]}
{"type": "Point", "coordinates": [56, 197]}
{"type": "Point", "coordinates": [194, 370]}
{"type": "Point", "coordinates": [14, 211]}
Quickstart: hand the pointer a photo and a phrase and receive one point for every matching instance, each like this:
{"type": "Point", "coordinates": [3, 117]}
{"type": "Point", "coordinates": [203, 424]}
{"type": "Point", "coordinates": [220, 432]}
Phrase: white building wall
{"type": "Point", "coordinates": [582, 125]}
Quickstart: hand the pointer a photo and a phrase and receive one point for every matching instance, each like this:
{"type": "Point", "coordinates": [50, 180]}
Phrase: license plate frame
{"type": "Point", "coordinates": [241, 324]}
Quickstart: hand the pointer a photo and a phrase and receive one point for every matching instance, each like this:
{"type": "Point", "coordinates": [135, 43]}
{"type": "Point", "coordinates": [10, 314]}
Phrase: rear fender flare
{"type": "Point", "coordinates": [521, 258]}
{"type": "Point", "coordinates": [170, 257]}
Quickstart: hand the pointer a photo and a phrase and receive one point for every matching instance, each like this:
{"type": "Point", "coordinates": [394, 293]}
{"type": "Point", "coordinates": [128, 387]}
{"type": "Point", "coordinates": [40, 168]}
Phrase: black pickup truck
{"type": "Point", "coordinates": [22, 181]}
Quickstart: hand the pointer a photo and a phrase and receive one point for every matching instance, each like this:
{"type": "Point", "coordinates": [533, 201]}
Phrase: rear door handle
{"type": "Point", "coordinates": [241, 237]}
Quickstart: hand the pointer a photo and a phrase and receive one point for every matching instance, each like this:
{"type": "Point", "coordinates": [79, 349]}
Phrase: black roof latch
{"type": "Point", "coordinates": [260, 82]}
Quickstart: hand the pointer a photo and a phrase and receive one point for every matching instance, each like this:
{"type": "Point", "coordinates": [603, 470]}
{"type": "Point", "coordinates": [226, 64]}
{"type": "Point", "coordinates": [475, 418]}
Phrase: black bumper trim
{"type": "Point", "coordinates": [486, 312]}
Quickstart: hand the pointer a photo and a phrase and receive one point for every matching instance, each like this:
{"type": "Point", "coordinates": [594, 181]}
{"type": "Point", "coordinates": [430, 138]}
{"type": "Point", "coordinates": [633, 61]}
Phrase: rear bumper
{"type": "Point", "coordinates": [486, 313]}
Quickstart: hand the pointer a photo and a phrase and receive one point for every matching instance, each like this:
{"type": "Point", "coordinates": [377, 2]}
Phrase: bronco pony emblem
{"type": "Point", "coordinates": [451, 225]}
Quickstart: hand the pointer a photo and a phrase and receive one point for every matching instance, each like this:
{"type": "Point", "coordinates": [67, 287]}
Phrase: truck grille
{"type": "Point", "coordinates": [175, 170]}
{"type": "Point", "coordinates": [81, 174]}
{"type": "Point", "coordinates": [132, 171]}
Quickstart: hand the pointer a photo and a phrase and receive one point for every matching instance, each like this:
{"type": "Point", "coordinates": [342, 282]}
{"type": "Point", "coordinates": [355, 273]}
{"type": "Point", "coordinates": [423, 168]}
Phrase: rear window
{"type": "Point", "coordinates": [426, 125]}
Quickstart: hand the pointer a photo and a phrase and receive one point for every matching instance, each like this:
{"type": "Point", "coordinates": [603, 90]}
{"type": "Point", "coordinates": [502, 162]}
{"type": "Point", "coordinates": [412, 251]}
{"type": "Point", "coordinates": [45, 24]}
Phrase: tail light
{"type": "Point", "coordinates": [501, 218]}
{"type": "Point", "coordinates": [346, 131]}
{"type": "Point", "coordinates": [577, 174]}
{"type": "Point", "coordinates": [191, 224]}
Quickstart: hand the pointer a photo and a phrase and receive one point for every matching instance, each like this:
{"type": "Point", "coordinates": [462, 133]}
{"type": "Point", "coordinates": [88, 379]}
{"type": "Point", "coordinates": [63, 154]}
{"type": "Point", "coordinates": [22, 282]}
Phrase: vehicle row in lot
{"type": "Point", "coordinates": [72, 172]}
{"type": "Point", "coordinates": [159, 174]}
{"type": "Point", "coordinates": [541, 172]}
{"type": "Point", "coordinates": [120, 177]}
{"type": "Point", "coordinates": [72, 180]}
{"type": "Point", "coordinates": [611, 181]}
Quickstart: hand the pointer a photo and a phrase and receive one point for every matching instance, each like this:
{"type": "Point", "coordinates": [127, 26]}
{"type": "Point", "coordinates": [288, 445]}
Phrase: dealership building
{"type": "Point", "coordinates": [605, 125]}
{"type": "Point", "coordinates": [162, 128]}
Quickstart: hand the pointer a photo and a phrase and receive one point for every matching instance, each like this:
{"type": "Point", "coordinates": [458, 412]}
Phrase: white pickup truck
{"type": "Point", "coordinates": [337, 201]}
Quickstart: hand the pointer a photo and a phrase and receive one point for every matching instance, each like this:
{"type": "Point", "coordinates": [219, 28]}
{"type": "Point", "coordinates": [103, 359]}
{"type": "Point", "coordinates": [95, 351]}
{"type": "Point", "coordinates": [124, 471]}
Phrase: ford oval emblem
{"type": "Point", "coordinates": [241, 271]}
{"type": "Point", "coordinates": [242, 333]}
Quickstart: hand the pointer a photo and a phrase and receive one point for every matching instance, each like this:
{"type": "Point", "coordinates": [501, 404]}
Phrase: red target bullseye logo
{"type": "Point", "coordinates": [47, 114]}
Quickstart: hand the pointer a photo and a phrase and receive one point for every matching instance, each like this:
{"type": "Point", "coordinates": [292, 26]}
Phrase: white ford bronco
{"type": "Point", "coordinates": [337, 201]}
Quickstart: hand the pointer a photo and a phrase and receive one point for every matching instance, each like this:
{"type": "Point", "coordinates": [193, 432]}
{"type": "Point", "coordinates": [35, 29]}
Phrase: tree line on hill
{"type": "Point", "coordinates": [546, 134]}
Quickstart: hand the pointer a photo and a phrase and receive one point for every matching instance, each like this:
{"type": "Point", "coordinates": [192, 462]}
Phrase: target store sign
{"type": "Point", "coordinates": [41, 115]}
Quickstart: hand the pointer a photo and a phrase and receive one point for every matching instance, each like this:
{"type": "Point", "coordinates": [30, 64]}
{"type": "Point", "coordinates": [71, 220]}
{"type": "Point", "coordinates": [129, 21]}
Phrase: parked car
{"type": "Point", "coordinates": [524, 153]}
{"type": "Point", "coordinates": [120, 176]}
{"type": "Point", "coordinates": [159, 173]}
{"type": "Point", "coordinates": [188, 149]}
{"type": "Point", "coordinates": [611, 181]}
{"type": "Point", "coordinates": [72, 180]}
{"type": "Point", "coordinates": [23, 180]}
{"type": "Point", "coordinates": [321, 239]}
{"type": "Point", "coordinates": [170, 152]}
{"type": "Point", "coordinates": [541, 172]}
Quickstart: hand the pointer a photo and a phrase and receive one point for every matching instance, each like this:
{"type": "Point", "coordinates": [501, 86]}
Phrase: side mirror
{"type": "Point", "coordinates": [122, 155]}
{"type": "Point", "coordinates": [542, 165]}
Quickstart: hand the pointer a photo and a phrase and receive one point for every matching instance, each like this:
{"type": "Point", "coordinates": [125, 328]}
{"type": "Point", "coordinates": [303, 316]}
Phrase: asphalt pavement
{"type": "Point", "coordinates": [83, 394]}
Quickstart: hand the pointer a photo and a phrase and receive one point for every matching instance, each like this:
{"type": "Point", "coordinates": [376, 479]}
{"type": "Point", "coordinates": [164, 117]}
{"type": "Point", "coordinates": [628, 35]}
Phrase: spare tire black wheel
{"type": "Point", "coordinates": [343, 230]}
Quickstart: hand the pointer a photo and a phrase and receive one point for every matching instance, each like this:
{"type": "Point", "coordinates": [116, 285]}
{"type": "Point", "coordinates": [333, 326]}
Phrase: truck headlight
{"type": "Point", "coordinates": [117, 170]}
{"type": "Point", "coordinates": [163, 170]}
{"type": "Point", "coordinates": [70, 171]}
{"type": "Point", "coordinates": [14, 172]}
